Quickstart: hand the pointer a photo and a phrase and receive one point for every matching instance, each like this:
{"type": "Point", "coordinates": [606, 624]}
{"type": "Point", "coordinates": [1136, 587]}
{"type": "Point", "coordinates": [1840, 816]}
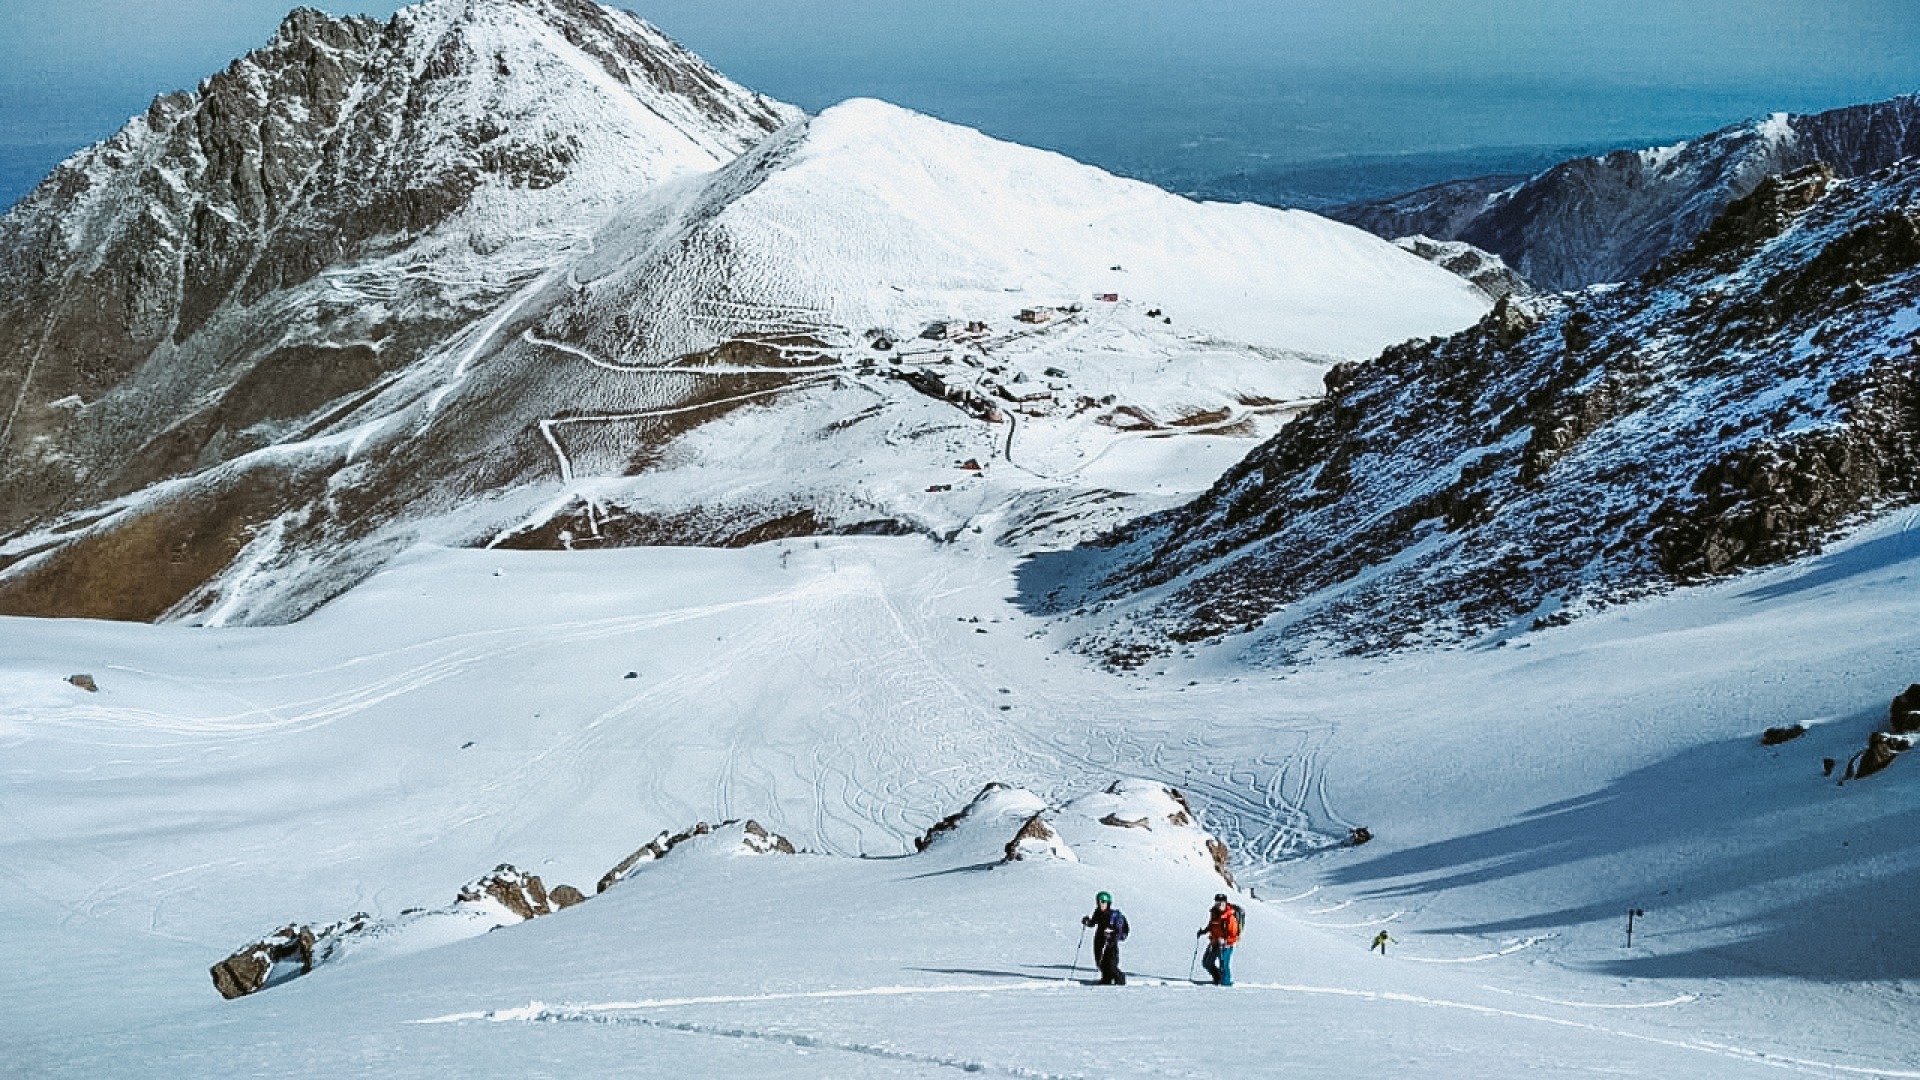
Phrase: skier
{"type": "Point", "coordinates": [1380, 942]}
{"type": "Point", "coordinates": [1109, 930]}
{"type": "Point", "coordinates": [1223, 933]}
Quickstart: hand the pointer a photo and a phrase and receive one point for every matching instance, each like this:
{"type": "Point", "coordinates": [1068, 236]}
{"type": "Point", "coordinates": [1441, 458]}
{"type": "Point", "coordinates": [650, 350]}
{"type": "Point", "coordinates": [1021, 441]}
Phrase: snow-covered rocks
{"type": "Point", "coordinates": [1882, 749]}
{"type": "Point", "coordinates": [504, 897]}
{"type": "Point", "coordinates": [518, 893]}
{"type": "Point", "coordinates": [1136, 820]}
{"type": "Point", "coordinates": [252, 967]}
{"type": "Point", "coordinates": [728, 838]}
{"type": "Point", "coordinates": [1132, 823]}
{"type": "Point", "coordinates": [975, 826]}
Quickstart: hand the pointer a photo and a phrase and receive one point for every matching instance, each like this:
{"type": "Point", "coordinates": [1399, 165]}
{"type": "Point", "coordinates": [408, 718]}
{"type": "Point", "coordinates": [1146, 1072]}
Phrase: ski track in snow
{"type": "Point", "coordinates": [609, 1014]}
{"type": "Point", "coordinates": [1668, 1003]}
{"type": "Point", "coordinates": [1378, 921]}
{"type": "Point", "coordinates": [536, 1012]}
{"type": "Point", "coordinates": [1479, 958]}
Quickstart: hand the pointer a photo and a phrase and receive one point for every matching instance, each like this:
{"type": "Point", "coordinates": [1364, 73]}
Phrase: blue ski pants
{"type": "Point", "coordinates": [1219, 963]}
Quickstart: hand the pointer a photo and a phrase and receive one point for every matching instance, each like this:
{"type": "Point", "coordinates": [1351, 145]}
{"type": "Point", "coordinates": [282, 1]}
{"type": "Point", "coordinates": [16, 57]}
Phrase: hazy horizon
{"type": "Point", "coordinates": [1327, 97]}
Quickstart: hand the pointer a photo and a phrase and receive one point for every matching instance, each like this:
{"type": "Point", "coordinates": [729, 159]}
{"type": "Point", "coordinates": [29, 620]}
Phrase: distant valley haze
{"type": "Point", "coordinates": [1300, 102]}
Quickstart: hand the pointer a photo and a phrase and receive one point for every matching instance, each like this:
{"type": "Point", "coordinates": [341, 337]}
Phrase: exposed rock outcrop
{"type": "Point", "coordinates": [1486, 270]}
{"type": "Point", "coordinates": [284, 954]}
{"type": "Point", "coordinates": [1882, 750]}
{"type": "Point", "coordinates": [521, 893]}
{"type": "Point", "coordinates": [1037, 840]}
{"type": "Point", "coordinates": [504, 897]}
{"type": "Point", "coordinates": [754, 839]}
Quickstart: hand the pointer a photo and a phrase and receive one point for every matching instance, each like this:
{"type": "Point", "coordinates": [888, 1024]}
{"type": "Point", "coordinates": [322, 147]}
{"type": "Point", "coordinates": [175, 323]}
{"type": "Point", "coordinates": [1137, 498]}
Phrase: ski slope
{"type": "Point", "coordinates": [467, 708]}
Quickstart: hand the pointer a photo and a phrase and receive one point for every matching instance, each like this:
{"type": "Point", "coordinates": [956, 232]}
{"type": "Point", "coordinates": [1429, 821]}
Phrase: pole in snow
{"type": "Point", "coordinates": [1632, 914]}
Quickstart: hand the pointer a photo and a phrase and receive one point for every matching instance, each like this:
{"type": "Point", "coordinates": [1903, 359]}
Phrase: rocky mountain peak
{"type": "Point", "coordinates": [313, 218]}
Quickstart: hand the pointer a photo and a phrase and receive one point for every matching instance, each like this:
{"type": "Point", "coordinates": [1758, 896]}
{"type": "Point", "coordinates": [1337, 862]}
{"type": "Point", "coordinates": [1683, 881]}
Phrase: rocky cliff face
{"type": "Point", "coordinates": [1749, 396]}
{"type": "Point", "coordinates": [250, 263]}
{"type": "Point", "coordinates": [1610, 218]}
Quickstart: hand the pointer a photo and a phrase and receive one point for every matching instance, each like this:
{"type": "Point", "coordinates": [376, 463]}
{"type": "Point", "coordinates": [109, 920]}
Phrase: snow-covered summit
{"type": "Point", "coordinates": [878, 214]}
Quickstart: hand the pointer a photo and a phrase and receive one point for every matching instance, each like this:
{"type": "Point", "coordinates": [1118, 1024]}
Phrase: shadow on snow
{"type": "Point", "coordinates": [1812, 879]}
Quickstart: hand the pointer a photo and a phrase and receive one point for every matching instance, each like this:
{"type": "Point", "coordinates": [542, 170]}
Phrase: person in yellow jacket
{"type": "Point", "coordinates": [1380, 942]}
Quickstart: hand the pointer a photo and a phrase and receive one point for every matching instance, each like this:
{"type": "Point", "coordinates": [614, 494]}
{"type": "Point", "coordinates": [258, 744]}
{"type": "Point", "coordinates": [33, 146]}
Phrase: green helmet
{"type": "Point", "coordinates": [1103, 898]}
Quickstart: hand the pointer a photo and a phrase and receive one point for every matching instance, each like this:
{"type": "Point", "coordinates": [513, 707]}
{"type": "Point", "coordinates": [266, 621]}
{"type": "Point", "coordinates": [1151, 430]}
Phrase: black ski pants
{"type": "Point", "coordinates": [1106, 953]}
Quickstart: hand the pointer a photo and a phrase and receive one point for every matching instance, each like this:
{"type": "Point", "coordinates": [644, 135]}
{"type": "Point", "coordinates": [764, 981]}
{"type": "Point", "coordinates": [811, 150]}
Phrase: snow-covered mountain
{"type": "Point", "coordinates": [1611, 217]}
{"type": "Point", "coordinates": [246, 261]}
{"type": "Point", "coordinates": [1730, 410]}
{"type": "Point", "coordinates": [579, 349]}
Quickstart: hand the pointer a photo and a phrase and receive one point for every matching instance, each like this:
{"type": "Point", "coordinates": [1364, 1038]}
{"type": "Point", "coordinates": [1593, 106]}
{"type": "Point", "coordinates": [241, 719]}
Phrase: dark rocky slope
{"type": "Point", "coordinates": [1745, 399]}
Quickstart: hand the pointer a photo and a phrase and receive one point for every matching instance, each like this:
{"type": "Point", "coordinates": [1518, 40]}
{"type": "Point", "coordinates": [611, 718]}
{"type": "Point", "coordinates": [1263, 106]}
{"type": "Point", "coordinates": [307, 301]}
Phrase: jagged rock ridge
{"type": "Point", "coordinates": [1612, 217]}
{"type": "Point", "coordinates": [1744, 400]}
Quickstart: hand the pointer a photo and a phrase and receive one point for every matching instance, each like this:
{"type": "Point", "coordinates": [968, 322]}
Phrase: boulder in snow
{"type": "Point", "coordinates": [761, 842]}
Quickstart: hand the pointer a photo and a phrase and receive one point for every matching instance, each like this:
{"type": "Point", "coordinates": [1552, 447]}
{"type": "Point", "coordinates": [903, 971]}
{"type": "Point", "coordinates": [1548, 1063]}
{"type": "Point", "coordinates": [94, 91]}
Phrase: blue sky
{"type": "Point", "coordinates": [1167, 90]}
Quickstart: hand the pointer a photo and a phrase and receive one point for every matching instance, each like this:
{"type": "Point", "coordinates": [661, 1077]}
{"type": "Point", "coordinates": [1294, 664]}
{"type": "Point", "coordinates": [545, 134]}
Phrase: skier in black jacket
{"type": "Point", "coordinates": [1109, 930]}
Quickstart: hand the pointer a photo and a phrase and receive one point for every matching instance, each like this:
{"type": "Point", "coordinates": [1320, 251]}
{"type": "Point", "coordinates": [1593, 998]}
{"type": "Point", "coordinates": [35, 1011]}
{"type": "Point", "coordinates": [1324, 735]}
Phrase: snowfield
{"type": "Point", "coordinates": [468, 708]}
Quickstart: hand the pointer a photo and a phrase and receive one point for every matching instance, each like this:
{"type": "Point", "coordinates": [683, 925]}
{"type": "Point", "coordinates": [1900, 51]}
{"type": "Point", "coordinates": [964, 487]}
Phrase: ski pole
{"type": "Point", "coordinates": [1075, 973]}
{"type": "Point", "coordinates": [1196, 958]}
